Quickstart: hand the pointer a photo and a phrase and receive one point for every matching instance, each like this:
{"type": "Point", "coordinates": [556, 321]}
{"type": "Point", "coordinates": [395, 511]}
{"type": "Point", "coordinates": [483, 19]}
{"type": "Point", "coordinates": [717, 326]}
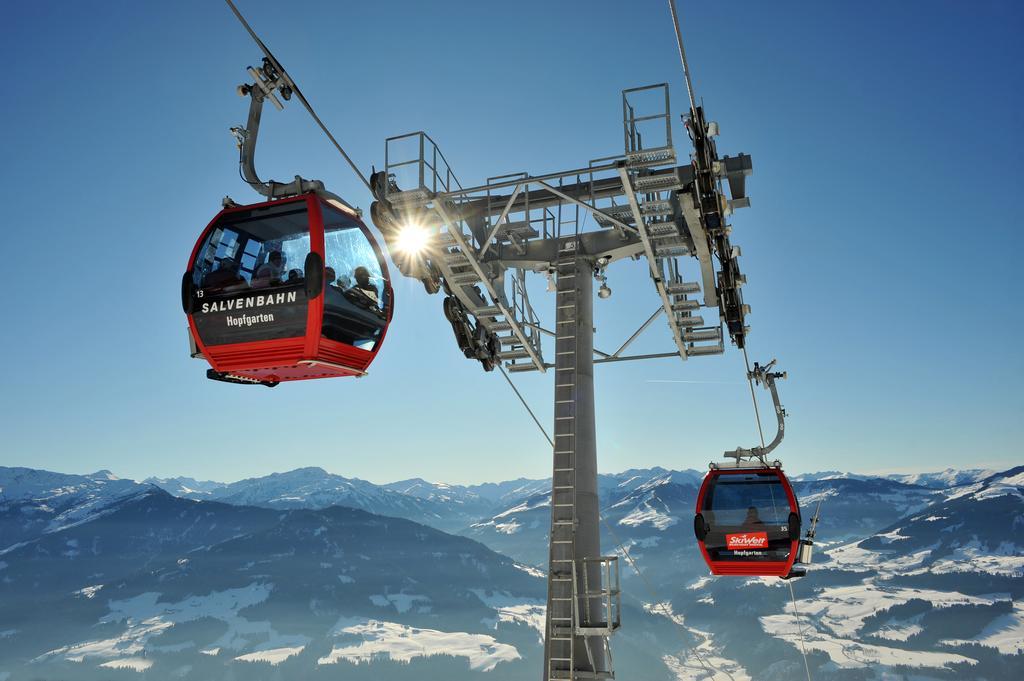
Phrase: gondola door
{"type": "Point", "coordinates": [357, 304]}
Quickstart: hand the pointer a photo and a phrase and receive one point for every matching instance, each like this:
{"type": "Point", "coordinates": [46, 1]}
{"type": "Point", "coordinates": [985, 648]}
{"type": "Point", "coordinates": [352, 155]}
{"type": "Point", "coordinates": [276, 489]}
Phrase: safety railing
{"type": "Point", "coordinates": [647, 125]}
{"type": "Point", "coordinates": [417, 166]}
{"type": "Point", "coordinates": [599, 605]}
{"type": "Point", "coordinates": [522, 310]}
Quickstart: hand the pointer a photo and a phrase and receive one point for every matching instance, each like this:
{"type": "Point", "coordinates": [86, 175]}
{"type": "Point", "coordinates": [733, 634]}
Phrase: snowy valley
{"type": "Point", "coordinates": [306, 575]}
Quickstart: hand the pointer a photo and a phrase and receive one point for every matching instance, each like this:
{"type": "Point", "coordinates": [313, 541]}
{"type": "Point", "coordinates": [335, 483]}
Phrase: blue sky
{"type": "Point", "coordinates": [881, 248]}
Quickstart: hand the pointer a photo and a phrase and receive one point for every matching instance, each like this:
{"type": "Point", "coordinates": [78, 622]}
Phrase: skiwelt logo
{"type": "Point", "coordinates": [746, 540]}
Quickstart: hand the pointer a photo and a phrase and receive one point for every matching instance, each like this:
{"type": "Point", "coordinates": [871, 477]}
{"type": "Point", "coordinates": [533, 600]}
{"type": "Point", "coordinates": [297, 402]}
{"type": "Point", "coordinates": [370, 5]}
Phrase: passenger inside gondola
{"type": "Point", "coordinates": [271, 272]}
{"type": "Point", "coordinates": [225, 278]}
{"type": "Point", "coordinates": [364, 293]}
{"type": "Point", "coordinates": [355, 309]}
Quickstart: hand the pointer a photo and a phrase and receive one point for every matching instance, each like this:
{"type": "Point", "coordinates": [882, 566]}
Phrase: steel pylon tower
{"type": "Point", "coordinates": [478, 244]}
{"type": "Point", "coordinates": [575, 561]}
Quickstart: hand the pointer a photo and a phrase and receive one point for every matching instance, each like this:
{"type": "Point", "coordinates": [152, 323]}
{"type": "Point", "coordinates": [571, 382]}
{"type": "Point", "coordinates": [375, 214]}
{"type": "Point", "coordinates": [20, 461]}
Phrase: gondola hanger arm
{"type": "Point", "coordinates": [288, 87]}
{"type": "Point", "coordinates": [764, 376]}
{"type": "Point", "coordinates": [268, 80]}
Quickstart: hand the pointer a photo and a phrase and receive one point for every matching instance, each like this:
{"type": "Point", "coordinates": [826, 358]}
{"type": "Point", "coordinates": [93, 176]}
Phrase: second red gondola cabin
{"type": "Point", "coordinates": [748, 522]}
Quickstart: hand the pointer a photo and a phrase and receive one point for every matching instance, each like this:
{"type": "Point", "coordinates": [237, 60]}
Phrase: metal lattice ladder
{"type": "Point", "coordinates": [583, 587]}
{"type": "Point", "coordinates": [561, 614]}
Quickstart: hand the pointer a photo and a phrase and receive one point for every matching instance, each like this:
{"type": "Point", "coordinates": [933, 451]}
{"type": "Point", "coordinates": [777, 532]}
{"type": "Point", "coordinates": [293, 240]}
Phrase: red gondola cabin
{"type": "Point", "coordinates": [287, 290]}
{"type": "Point", "coordinates": [748, 522]}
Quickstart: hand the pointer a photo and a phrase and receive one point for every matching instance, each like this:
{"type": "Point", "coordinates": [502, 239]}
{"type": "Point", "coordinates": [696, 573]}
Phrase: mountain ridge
{"type": "Point", "coordinates": [908, 580]}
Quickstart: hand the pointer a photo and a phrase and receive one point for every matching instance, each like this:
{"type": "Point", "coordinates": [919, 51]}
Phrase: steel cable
{"type": "Point", "coordinates": [682, 55]}
{"type": "Point", "coordinates": [760, 431]}
{"type": "Point", "coordinates": [800, 628]}
{"type": "Point", "coordinates": [527, 406]}
{"type": "Point", "coordinates": [753, 398]}
{"type": "Point", "coordinates": [298, 93]}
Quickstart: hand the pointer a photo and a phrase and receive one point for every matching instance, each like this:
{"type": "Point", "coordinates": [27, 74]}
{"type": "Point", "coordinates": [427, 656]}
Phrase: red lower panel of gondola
{"type": "Point", "coordinates": [345, 355]}
{"type": "Point", "coordinates": [287, 359]}
{"type": "Point", "coordinates": [752, 568]}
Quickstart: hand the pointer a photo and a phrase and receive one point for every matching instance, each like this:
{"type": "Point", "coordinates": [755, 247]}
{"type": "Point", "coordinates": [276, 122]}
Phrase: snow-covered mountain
{"type": "Point", "coordinates": [132, 534]}
{"type": "Point", "coordinates": [854, 507]}
{"type": "Point", "coordinates": [655, 504]}
{"type": "Point", "coordinates": [315, 488]}
{"type": "Point", "coordinates": [289, 583]}
{"type": "Point", "coordinates": [934, 593]}
{"type": "Point", "coordinates": [440, 505]}
{"type": "Point", "coordinates": [488, 493]}
{"type": "Point", "coordinates": [977, 528]}
{"type": "Point", "coordinates": [915, 581]}
{"type": "Point", "coordinates": [437, 504]}
{"type": "Point", "coordinates": [497, 509]}
{"type": "Point", "coordinates": [828, 475]}
{"type": "Point", "coordinates": [951, 477]}
{"type": "Point", "coordinates": [633, 499]}
{"type": "Point", "coordinates": [187, 488]}
{"type": "Point", "coordinates": [34, 502]}
{"type": "Point", "coordinates": [457, 500]}
{"type": "Point", "coordinates": [910, 581]}
{"type": "Point", "coordinates": [174, 588]}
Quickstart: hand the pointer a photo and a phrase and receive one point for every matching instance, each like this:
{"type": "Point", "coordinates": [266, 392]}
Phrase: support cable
{"type": "Point", "coordinates": [298, 93]}
{"type": "Point", "coordinates": [800, 628]}
{"type": "Point", "coordinates": [760, 431]}
{"type": "Point", "coordinates": [527, 406]}
{"type": "Point", "coordinates": [753, 398]}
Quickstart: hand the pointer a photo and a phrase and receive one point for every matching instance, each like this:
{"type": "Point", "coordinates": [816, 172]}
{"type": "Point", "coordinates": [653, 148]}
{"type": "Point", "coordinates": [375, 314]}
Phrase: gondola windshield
{"type": "Point", "coordinates": [248, 279]}
{"type": "Point", "coordinates": [748, 518]}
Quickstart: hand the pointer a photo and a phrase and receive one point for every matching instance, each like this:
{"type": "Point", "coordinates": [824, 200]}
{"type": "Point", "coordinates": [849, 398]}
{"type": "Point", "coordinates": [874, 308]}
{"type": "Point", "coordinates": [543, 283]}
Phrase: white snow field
{"type": "Point", "coordinates": [846, 654]}
{"type": "Point", "coordinates": [402, 602]}
{"type": "Point", "coordinates": [855, 558]}
{"type": "Point", "coordinates": [89, 591]}
{"type": "Point", "coordinates": [832, 620]}
{"type": "Point", "coordinates": [136, 664]}
{"type": "Point", "coordinates": [145, 617]}
{"type": "Point", "coordinates": [530, 570]}
{"type": "Point", "coordinates": [272, 655]}
{"type": "Point", "coordinates": [1006, 560]}
{"type": "Point", "coordinates": [402, 643]}
{"type": "Point", "coordinates": [699, 663]}
{"type": "Point", "coordinates": [842, 610]}
{"type": "Point", "coordinates": [514, 610]}
{"type": "Point", "coordinates": [647, 514]}
{"type": "Point", "coordinates": [1005, 633]}
{"type": "Point", "coordinates": [900, 630]}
